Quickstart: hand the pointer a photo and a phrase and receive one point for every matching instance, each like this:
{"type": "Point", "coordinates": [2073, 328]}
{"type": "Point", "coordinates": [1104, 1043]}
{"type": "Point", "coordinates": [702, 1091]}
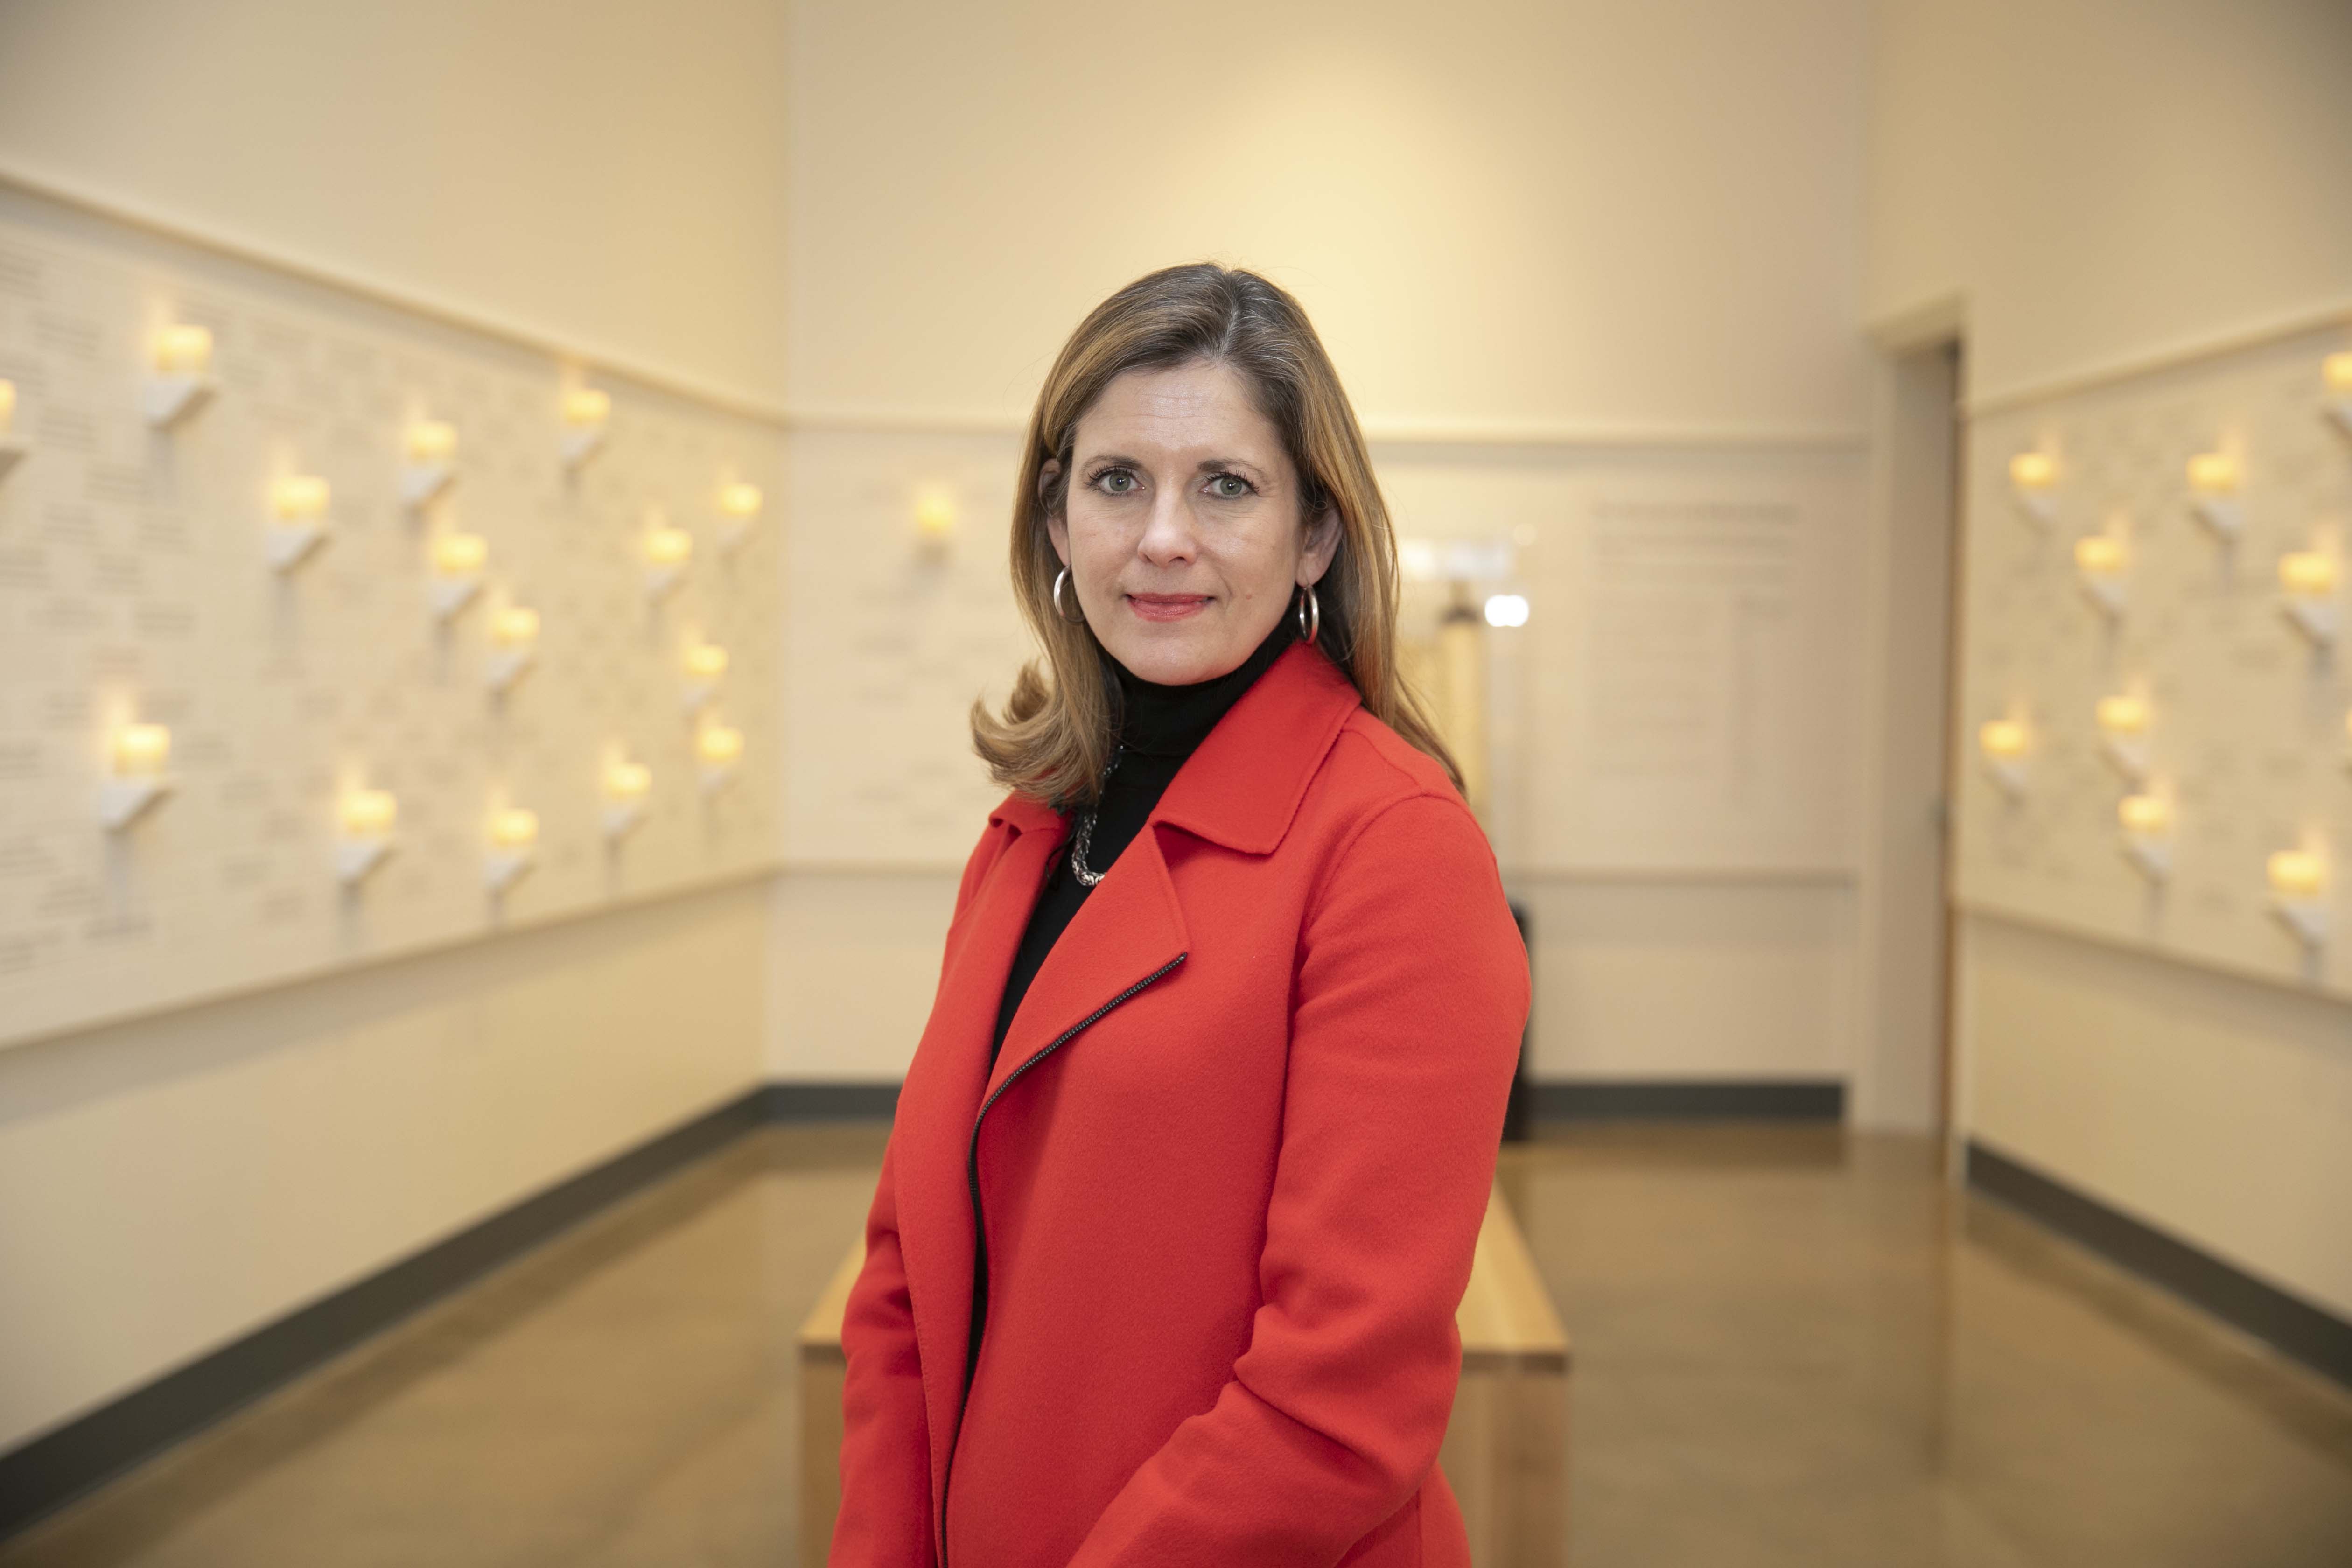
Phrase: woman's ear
{"type": "Point", "coordinates": [1322, 544]}
{"type": "Point", "coordinates": [1057, 526]}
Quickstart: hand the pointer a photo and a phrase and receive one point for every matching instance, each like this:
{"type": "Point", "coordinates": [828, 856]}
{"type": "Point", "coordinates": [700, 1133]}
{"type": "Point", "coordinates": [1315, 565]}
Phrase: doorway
{"type": "Point", "coordinates": [1904, 1070]}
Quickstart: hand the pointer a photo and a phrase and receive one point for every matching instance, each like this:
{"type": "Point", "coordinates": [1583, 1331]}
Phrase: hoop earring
{"type": "Point", "coordinates": [1080, 618]}
{"type": "Point", "coordinates": [1310, 614]}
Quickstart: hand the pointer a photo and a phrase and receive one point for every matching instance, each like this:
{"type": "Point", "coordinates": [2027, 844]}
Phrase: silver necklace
{"type": "Point", "coordinates": [1086, 833]}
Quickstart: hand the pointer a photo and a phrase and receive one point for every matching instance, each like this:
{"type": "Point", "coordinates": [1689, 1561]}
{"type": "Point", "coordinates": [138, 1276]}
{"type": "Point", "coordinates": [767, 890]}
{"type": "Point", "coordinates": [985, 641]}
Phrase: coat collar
{"type": "Point", "coordinates": [1242, 785]}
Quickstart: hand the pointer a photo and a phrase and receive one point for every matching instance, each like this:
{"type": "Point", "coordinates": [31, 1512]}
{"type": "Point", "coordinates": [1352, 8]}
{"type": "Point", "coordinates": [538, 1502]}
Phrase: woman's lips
{"type": "Point", "coordinates": [1167, 606]}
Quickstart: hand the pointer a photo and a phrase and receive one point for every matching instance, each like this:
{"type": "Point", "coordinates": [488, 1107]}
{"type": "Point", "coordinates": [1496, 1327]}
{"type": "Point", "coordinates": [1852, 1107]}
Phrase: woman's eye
{"type": "Point", "coordinates": [1117, 481]}
{"type": "Point", "coordinates": [1229, 487]}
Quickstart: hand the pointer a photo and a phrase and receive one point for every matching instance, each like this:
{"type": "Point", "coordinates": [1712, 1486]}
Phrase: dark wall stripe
{"type": "Point", "coordinates": [49, 1471]}
{"type": "Point", "coordinates": [1770, 1099]}
{"type": "Point", "coordinates": [2317, 1338]}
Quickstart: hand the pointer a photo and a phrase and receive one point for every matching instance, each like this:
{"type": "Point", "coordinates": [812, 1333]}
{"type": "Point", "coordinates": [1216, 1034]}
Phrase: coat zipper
{"type": "Point", "coordinates": [980, 1220]}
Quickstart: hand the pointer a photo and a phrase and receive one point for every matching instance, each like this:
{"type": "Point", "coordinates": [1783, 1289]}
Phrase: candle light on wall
{"type": "Point", "coordinates": [935, 517]}
{"type": "Point", "coordinates": [2297, 874]}
{"type": "Point", "coordinates": [2307, 572]}
{"type": "Point", "coordinates": [720, 749]}
{"type": "Point", "coordinates": [514, 840]}
{"type": "Point", "coordinates": [457, 559]}
{"type": "Point", "coordinates": [2213, 480]}
{"type": "Point", "coordinates": [705, 665]}
{"type": "Point", "coordinates": [2298, 884]}
{"type": "Point", "coordinates": [2033, 484]}
{"type": "Point", "coordinates": [179, 381]}
{"type": "Point", "coordinates": [183, 350]}
{"type": "Point", "coordinates": [2100, 561]}
{"type": "Point", "coordinates": [2005, 744]}
{"type": "Point", "coordinates": [141, 751]}
{"type": "Point", "coordinates": [626, 785]}
{"type": "Point", "coordinates": [739, 509]}
{"type": "Point", "coordinates": [364, 841]}
{"type": "Point", "coordinates": [11, 450]}
{"type": "Point", "coordinates": [298, 520]}
{"type": "Point", "coordinates": [135, 779]}
{"type": "Point", "coordinates": [586, 411]}
{"type": "Point", "coordinates": [431, 466]}
{"type": "Point", "coordinates": [2337, 372]}
{"type": "Point", "coordinates": [2123, 734]}
{"type": "Point", "coordinates": [667, 550]}
{"type": "Point", "coordinates": [514, 645]}
{"type": "Point", "coordinates": [2307, 595]}
{"type": "Point", "coordinates": [2147, 823]}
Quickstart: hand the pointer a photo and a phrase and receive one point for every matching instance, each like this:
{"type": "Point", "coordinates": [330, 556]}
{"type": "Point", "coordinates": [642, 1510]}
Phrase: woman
{"type": "Point", "coordinates": [1188, 1168]}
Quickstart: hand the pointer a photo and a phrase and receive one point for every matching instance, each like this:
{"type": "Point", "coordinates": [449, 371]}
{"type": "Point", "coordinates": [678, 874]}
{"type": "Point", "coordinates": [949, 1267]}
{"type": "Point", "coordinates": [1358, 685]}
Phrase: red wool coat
{"type": "Point", "coordinates": [1231, 1164]}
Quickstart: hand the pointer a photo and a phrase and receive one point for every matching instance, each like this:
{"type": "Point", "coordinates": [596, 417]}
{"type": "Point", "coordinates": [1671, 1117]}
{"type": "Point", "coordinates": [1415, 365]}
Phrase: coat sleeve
{"type": "Point", "coordinates": [1411, 992]}
{"type": "Point", "coordinates": [886, 1463]}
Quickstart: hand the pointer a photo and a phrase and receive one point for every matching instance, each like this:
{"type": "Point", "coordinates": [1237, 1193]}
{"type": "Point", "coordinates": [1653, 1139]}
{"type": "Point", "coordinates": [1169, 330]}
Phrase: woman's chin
{"type": "Point", "coordinates": [1174, 653]}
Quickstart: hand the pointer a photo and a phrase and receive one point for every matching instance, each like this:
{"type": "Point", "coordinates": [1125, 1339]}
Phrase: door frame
{"type": "Point", "coordinates": [1903, 1074]}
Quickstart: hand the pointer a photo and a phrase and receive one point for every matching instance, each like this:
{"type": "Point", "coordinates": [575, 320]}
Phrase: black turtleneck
{"type": "Point", "coordinates": [1156, 728]}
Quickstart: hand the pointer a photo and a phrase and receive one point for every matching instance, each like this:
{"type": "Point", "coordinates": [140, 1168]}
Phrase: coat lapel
{"type": "Point", "coordinates": [937, 1107]}
{"type": "Point", "coordinates": [1130, 928]}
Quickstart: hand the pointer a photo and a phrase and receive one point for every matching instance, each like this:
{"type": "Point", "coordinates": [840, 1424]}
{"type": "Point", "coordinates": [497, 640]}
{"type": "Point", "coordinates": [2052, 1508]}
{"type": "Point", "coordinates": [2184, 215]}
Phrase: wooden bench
{"type": "Point", "coordinates": [1506, 1451]}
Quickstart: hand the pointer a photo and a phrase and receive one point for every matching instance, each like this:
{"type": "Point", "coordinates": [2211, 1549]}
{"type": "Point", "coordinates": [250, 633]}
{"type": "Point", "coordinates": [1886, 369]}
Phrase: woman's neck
{"type": "Point", "coordinates": [1170, 721]}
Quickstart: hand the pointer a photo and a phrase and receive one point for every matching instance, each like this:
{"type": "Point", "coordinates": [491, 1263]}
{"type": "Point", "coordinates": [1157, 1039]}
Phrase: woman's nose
{"type": "Point", "coordinates": [1168, 535]}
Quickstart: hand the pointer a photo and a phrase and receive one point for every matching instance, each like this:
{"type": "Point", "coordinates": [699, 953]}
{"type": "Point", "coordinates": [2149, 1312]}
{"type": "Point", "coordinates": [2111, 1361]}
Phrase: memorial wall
{"type": "Point", "coordinates": [2130, 248]}
{"type": "Point", "coordinates": [2155, 802]}
{"type": "Point", "coordinates": [335, 634]}
{"type": "Point", "coordinates": [2154, 686]}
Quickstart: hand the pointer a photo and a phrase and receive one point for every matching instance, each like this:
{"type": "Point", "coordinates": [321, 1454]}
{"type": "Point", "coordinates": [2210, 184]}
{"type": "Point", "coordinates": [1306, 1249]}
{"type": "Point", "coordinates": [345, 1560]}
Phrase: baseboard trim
{"type": "Point", "coordinates": [47, 1472]}
{"type": "Point", "coordinates": [2289, 1324]}
{"type": "Point", "coordinates": [827, 1101]}
{"type": "Point", "coordinates": [1695, 1099]}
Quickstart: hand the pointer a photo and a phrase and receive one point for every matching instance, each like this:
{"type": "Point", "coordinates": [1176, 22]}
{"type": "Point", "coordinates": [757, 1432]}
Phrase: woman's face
{"type": "Point", "coordinates": [1182, 527]}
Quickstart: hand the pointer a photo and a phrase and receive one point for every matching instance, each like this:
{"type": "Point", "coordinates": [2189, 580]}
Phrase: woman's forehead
{"type": "Point", "coordinates": [1181, 412]}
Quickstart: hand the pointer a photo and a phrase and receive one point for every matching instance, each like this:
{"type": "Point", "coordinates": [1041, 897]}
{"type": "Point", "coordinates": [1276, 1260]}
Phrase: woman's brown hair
{"type": "Point", "coordinates": [1054, 736]}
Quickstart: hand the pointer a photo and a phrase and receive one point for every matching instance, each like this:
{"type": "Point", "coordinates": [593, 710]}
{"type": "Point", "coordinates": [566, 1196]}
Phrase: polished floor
{"type": "Point", "coordinates": [1792, 1347]}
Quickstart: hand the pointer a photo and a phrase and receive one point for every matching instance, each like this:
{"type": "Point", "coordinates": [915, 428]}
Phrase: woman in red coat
{"type": "Point", "coordinates": [1189, 1166]}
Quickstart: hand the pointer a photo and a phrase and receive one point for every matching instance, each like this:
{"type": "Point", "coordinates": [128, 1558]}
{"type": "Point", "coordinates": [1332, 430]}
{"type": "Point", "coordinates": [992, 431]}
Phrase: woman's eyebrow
{"type": "Point", "coordinates": [1205, 466]}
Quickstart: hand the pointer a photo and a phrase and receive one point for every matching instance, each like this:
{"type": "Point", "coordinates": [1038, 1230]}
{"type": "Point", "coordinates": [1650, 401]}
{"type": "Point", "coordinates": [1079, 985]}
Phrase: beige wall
{"type": "Point", "coordinates": [1569, 225]}
{"type": "Point", "coordinates": [1521, 213]}
{"type": "Point", "coordinates": [1707, 979]}
{"type": "Point", "coordinates": [2209, 1106]}
{"type": "Point", "coordinates": [855, 960]}
{"type": "Point", "coordinates": [2106, 180]}
{"type": "Point", "coordinates": [168, 1184]}
{"type": "Point", "coordinates": [607, 176]}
